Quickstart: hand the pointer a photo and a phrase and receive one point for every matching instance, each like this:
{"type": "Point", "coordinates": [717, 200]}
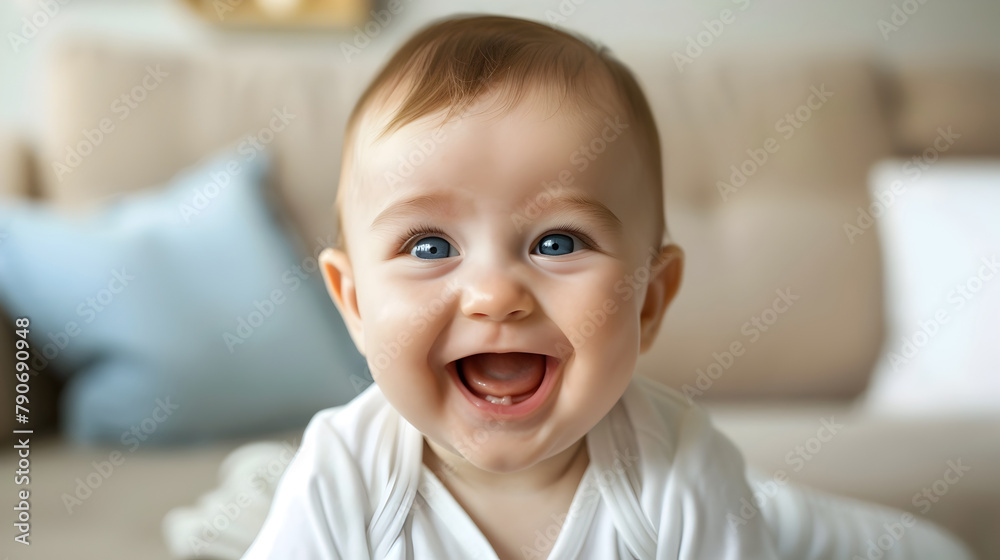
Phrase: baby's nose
{"type": "Point", "coordinates": [497, 296]}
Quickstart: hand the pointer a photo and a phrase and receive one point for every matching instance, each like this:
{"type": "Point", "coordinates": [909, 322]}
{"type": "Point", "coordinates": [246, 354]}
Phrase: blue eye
{"type": "Point", "coordinates": [555, 244]}
{"type": "Point", "coordinates": [432, 248]}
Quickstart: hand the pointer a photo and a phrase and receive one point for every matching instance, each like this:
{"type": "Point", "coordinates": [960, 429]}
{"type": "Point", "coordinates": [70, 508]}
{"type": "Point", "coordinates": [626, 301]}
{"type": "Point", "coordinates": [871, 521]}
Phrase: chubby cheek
{"type": "Point", "coordinates": [401, 325]}
{"type": "Point", "coordinates": [602, 326]}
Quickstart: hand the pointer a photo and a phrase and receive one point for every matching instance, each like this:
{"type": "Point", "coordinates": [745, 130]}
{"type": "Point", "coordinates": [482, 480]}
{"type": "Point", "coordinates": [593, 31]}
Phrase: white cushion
{"type": "Point", "coordinates": [941, 234]}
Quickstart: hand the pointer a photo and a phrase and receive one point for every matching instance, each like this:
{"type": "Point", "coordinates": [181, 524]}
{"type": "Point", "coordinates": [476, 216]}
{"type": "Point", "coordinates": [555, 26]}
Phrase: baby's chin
{"type": "Point", "coordinates": [505, 463]}
{"type": "Point", "coordinates": [504, 454]}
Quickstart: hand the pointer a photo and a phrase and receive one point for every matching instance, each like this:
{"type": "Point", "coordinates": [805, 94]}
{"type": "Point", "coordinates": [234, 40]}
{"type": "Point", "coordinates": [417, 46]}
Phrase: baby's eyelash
{"type": "Point", "coordinates": [418, 231]}
{"type": "Point", "coordinates": [577, 231]}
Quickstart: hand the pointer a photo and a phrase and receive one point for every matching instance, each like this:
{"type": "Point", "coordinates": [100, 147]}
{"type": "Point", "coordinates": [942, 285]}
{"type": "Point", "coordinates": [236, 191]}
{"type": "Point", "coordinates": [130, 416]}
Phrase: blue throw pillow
{"type": "Point", "coordinates": [180, 314]}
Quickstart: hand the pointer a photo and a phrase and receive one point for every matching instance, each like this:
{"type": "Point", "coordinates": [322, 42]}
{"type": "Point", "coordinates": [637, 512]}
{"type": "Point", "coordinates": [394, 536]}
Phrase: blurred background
{"type": "Point", "coordinates": [167, 174]}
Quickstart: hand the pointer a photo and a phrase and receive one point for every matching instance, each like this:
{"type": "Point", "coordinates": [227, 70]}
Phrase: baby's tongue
{"type": "Point", "coordinates": [512, 373]}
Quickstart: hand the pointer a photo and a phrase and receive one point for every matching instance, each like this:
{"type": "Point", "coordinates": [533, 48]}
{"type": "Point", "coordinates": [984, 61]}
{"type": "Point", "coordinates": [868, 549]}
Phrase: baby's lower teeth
{"type": "Point", "coordinates": [506, 400]}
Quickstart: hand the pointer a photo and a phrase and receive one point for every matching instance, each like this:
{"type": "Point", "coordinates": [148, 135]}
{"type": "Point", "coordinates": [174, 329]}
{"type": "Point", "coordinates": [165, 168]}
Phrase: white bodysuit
{"type": "Point", "coordinates": [662, 483]}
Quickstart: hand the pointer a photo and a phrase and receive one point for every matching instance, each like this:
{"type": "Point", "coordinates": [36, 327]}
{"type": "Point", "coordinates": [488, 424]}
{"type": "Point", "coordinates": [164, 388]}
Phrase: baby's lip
{"type": "Point", "coordinates": [504, 350]}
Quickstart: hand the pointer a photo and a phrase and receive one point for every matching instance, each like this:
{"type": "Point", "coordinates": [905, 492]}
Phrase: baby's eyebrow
{"type": "Point", "coordinates": [418, 205]}
{"type": "Point", "coordinates": [441, 205]}
{"type": "Point", "coordinates": [589, 207]}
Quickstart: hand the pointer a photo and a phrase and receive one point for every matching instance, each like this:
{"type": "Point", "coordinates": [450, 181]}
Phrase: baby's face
{"type": "Point", "coordinates": [502, 285]}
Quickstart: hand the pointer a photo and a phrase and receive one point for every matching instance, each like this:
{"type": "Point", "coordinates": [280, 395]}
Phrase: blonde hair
{"type": "Point", "coordinates": [449, 65]}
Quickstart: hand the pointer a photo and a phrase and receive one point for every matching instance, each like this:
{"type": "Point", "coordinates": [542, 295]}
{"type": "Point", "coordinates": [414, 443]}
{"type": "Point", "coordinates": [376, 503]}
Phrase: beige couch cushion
{"type": "Point", "coordinates": [963, 95]}
{"type": "Point", "coordinates": [780, 231]}
{"type": "Point", "coordinates": [178, 106]}
{"type": "Point", "coordinates": [880, 459]}
{"type": "Point", "coordinates": [14, 166]}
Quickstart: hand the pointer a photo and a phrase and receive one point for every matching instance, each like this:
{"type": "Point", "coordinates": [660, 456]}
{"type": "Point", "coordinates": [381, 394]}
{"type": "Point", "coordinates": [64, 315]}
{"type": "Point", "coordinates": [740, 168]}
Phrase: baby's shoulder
{"type": "Point", "coordinates": [353, 419]}
{"type": "Point", "coordinates": [361, 457]}
{"type": "Point", "coordinates": [352, 473]}
{"type": "Point", "coordinates": [353, 441]}
{"type": "Point", "coordinates": [678, 428]}
{"type": "Point", "coordinates": [356, 429]}
{"type": "Point", "coordinates": [658, 406]}
{"type": "Point", "coordinates": [684, 469]}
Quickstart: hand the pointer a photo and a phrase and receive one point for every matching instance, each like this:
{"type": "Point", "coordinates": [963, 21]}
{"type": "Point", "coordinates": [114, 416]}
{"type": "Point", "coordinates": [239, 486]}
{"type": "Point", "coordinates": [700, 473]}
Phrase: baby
{"type": "Point", "coordinates": [503, 261]}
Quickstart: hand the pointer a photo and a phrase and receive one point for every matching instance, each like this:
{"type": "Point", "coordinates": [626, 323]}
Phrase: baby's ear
{"type": "Point", "coordinates": [665, 278]}
{"type": "Point", "coordinates": [339, 278]}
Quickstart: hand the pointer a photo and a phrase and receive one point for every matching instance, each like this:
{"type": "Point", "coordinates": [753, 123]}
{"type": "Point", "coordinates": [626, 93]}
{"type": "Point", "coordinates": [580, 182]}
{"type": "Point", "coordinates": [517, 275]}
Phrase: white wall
{"type": "Point", "coordinates": [938, 29]}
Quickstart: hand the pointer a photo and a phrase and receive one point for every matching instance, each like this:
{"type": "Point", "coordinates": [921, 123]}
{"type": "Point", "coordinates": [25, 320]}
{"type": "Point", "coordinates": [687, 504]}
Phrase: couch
{"type": "Point", "coordinates": [776, 228]}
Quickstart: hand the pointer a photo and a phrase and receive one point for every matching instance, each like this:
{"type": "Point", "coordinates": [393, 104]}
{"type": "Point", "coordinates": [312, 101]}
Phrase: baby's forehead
{"type": "Point", "coordinates": [507, 174]}
{"type": "Point", "coordinates": [535, 111]}
{"type": "Point", "coordinates": [530, 142]}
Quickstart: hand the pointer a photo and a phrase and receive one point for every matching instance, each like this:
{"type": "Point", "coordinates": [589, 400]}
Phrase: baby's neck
{"type": "Point", "coordinates": [510, 508]}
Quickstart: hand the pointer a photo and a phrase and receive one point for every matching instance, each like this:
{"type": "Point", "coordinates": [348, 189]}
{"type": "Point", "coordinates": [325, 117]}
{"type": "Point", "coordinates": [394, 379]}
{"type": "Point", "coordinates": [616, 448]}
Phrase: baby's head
{"type": "Point", "coordinates": [502, 260]}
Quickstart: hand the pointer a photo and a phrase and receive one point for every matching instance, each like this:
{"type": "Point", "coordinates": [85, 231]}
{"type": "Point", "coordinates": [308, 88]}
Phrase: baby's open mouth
{"type": "Point", "coordinates": [506, 379]}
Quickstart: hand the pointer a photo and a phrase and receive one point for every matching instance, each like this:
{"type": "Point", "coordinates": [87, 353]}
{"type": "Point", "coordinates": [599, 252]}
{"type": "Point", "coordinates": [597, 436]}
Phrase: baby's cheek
{"type": "Point", "coordinates": [599, 311]}
{"type": "Point", "coordinates": [400, 326]}
{"type": "Point", "coordinates": [385, 330]}
{"type": "Point", "coordinates": [605, 340]}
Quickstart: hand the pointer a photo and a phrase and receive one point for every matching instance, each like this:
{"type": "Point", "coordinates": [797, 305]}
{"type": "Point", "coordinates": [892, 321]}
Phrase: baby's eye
{"type": "Point", "coordinates": [555, 244]}
{"type": "Point", "coordinates": [433, 248]}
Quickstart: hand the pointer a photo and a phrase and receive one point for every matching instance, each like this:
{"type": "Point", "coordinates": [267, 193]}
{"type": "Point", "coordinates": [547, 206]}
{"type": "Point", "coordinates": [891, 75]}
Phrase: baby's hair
{"type": "Point", "coordinates": [453, 63]}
